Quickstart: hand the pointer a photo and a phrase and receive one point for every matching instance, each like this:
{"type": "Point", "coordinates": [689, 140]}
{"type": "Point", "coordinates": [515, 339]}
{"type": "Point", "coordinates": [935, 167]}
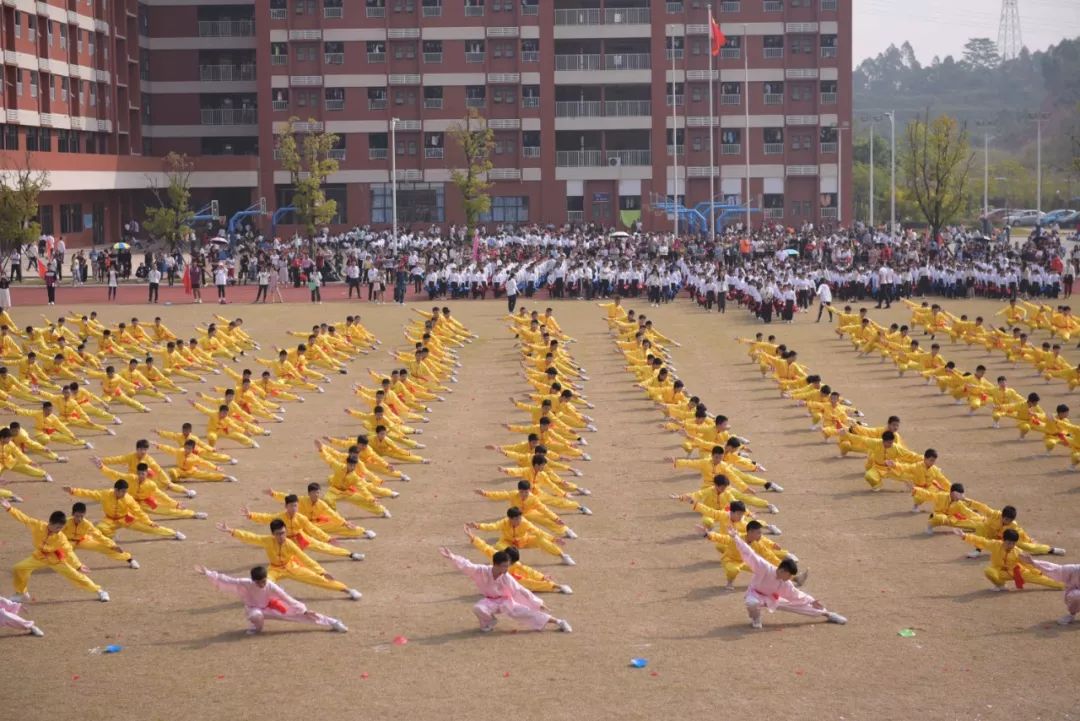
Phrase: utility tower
{"type": "Point", "coordinates": [1009, 41]}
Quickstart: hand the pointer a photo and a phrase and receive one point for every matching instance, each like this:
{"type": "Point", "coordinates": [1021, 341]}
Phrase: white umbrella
{"type": "Point", "coordinates": [218, 241]}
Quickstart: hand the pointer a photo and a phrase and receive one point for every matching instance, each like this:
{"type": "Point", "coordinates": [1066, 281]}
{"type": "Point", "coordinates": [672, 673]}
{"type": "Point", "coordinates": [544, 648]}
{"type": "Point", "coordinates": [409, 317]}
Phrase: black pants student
{"type": "Point", "coordinates": [221, 292]}
{"type": "Point", "coordinates": [261, 293]}
{"type": "Point", "coordinates": [153, 296]}
{"type": "Point", "coordinates": [511, 302]}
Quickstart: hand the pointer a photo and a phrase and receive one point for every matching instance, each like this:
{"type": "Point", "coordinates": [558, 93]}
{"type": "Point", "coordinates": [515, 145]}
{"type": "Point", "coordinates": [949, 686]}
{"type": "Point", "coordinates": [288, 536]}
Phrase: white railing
{"type": "Point", "coordinates": [575, 216]}
{"type": "Point", "coordinates": [629, 157]}
{"type": "Point", "coordinates": [774, 148]}
{"type": "Point", "coordinates": [730, 148]}
{"type": "Point", "coordinates": [579, 109]}
{"type": "Point", "coordinates": [334, 58]}
{"type": "Point", "coordinates": [376, 57]}
{"type": "Point", "coordinates": [433, 153]}
{"type": "Point", "coordinates": [335, 104]}
{"type": "Point", "coordinates": [376, 104]}
{"type": "Point", "coordinates": [475, 102]}
{"type": "Point", "coordinates": [336, 153]}
{"type": "Point", "coordinates": [774, 98]}
{"type": "Point", "coordinates": [579, 158]}
{"type": "Point", "coordinates": [584, 16]}
{"type": "Point", "coordinates": [530, 151]}
{"type": "Point", "coordinates": [433, 103]}
{"type": "Point", "coordinates": [226, 28]}
{"type": "Point", "coordinates": [679, 100]}
{"type": "Point", "coordinates": [828, 52]}
{"type": "Point", "coordinates": [827, 148]}
{"type": "Point", "coordinates": [432, 57]}
{"type": "Point", "coordinates": [530, 102]}
{"type": "Point", "coordinates": [621, 108]}
{"type": "Point", "coordinates": [730, 6]}
{"type": "Point", "coordinates": [674, 8]}
{"type": "Point", "coordinates": [332, 13]}
{"type": "Point", "coordinates": [377, 154]}
{"type": "Point", "coordinates": [279, 105]}
{"type": "Point", "coordinates": [773, 53]}
{"type": "Point", "coordinates": [530, 9]}
{"type": "Point", "coordinates": [626, 16]}
{"type": "Point", "coordinates": [773, 6]}
{"type": "Point", "coordinates": [730, 99]}
{"type": "Point", "coordinates": [628, 61]}
{"type": "Point", "coordinates": [828, 213]}
{"type": "Point", "coordinates": [578, 62]}
{"type": "Point", "coordinates": [730, 53]}
{"type": "Point", "coordinates": [530, 56]}
{"type": "Point", "coordinates": [828, 4]}
{"type": "Point", "coordinates": [228, 116]}
{"type": "Point", "coordinates": [773, 213]}
{"type": "Point", "coordinates": [432, 11]}
{"type": "Point", "coordinates": [279, 59]}
{"type": "Point", "coordinates": [474, 57]}
{"type": "Point", "coordinates": [474, 11]}
{"type": "Point", "coordinates": [828, 98]}
{"type": "Point", "coordinates": [279, 13]}
{"type": "Point", "coordinates": [675, 54]}
{"type": "Point", "coordinates": [225, 73]}
{"type": "Point", "coordinates": [376, 12]}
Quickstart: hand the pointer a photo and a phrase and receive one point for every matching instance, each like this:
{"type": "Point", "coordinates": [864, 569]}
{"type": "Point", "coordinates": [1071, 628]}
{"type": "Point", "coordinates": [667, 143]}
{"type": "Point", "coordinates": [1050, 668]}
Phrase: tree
{"type": "Point", "coordinates": [476, 146]}
{"type": "Point", "coordinates": [936, 159]}
{"type": "Point", "coordinates": [309, 164]}
{"type": "Point", "coordinates": [19, 191]}
{"type": "Point", "coordinates": [172, 219]}
{"type": "Point", "coordinates": [981, 53]}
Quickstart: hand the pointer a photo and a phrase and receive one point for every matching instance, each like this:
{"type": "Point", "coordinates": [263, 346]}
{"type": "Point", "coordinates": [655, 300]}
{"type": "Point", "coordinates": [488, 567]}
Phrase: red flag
{"type": "Point", "coordinates": [187, 280]}
{"type": "Point", "coordinates": [718, 37]}
{"type": "Point", "coordinates": [41, 269]}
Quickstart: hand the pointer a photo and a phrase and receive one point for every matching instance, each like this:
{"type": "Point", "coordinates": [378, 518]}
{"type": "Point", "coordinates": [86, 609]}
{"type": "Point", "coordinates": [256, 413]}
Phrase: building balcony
{"type": "Point", "coordinates": [730, 99]}
{"type": "Point", "coordinates": [433, 103]}
{"type": "Point", "coordinates": [226, 73]}
{"type": "Point", "coordinates": [333, 13]}
{"type": "Point", "coordinates": [530, 102]}
{"type": "Point", "coordinates": [475, 102]}
{"type": "Point", "coordinates": [627, 108]}
{"type": "Point", "coordinates": [730, 53]}
{"type": "Point", "coordinates": [336, 153]}
{"type": "Point", "coordinates": [530, 56]}
{"type": "Point", "coordinates": [575, 216]}
{"type": "Point", "coordinates": [279, 59]}
{"type": "Point", "coordinates": [279, 13]}
{"type": "Point", "coordinates": [729, 6]}
{"type": "Point", "coordinates": [828, 4]}
{"type": "Point", "coordinates": [434, 58]}
{"type": "Point", "coordinates": [773, 213]}
{"type": "Point", "coordinates": [433, 153]}
{"type": "Point", "coordinates": [279, 105]}
{"type": "Point", "coordinates": [579, 158]}
{"type": "Point", "coordinates": [629, 157]}
{"type": "Point", "coordinates": [376, 12]}
{"type": "Point", "coordinates": [828, 214]}
{"type": "Point", "coordinates": [530, 151]}
{"type": "Point", "coordinates": [226, 28]}
{"type": "Point", "coordinates": [376, 104]}
{"type": "Point", "coordinates": [432, 11]}
{"type": "Point", "coordinates": [828, 52]}
{"type": "Point", "coordinates": [377, 154]}
{"type": "Point", "coordinates": [773, 148]}
{"type": "Point", "coordinates": [774, 98]}
{"type": "Point", "coordinates": [474, 58]}
{"type": "Point", "coordinates": [474, 11]}
{"type": "Point", "coordinates": [773, 6]}
{"type": "Point", "coordinates": [828, 98]}
{"type": "Point", "coordinates": [579, 109]}
{"type": "Point", "coordinates": [730, 148]}
{"type": "Point", "coordinates": [596, 16]}
{"type": "Point", "coordinates": [335, 104]}
{"type": "Point", "coordinates": [828, 148]}
{"type": "Point", "coordinates": [229, 116]}
{"type": "Point", "coordinates": [617, 61]}
{"type": "Point", "coordinates": [772, 53]}
{"type": "Point", "coordinates": [334, 58]}
{"type": "Point", "coordinates": [673, 8]}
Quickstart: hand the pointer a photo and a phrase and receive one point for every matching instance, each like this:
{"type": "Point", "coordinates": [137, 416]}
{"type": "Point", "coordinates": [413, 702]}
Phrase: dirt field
{"type": "Point", "coordinates": [645, 584]}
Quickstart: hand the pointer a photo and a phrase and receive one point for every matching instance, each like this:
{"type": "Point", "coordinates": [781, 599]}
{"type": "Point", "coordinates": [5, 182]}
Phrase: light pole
{"type": "Point", "coordinates": [892, 171]}
{"type": "Point", "coordinates": [840, 175]}
{"type": "Point", "coordinates": [871, 177]}
{"type": "Point", "coordinates": [1038, 118]}
{"type": "Point", "coordinates": [393, 177]}
{"type": "Point", "coordinates": [986, 164]}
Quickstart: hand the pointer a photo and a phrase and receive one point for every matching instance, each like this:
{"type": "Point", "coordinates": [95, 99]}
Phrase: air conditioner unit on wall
{"type": "Point", "coordinates": [614, 162]}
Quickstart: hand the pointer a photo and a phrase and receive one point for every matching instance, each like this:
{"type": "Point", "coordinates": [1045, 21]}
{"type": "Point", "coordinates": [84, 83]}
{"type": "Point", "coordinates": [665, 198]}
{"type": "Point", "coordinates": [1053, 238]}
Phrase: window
{"type": "Point", "coordinates": [507, 209]}
{"type": "Point", "coordinates": [64, 88]}
{"type": "Point", "coordinates": [18, 81]}
{"type": "Point", "coordinates": [335, 98]}
{"type": "Point", "coordinates": [9, 137]}
{"type": "Point", "coordinates": [475, 96]}
{"type": "Point", "coordinates": [530, 96]}
{"type": "Point", "coordinates": [33, 83]}
{"type": "Point", "coordinates": [17, 22]}
{"type": "Point", "coordinates": [530, 51]}
{"type": "Point", "coordinates": [71, 220]}
{"type": "Point", "coordinates": [93, 94]}
{"type": "Point", "coordinates": [674, 45]}
{"type": "Point", "coordinates": [695, 93]}
{"type": "Point", "coordinates": [416, 202]}
{"type": "Point", "coordinates": [433, 97]}
{"type": "Point", "coordinates": [376, 98]}
{"type": "Point", "coordinates": [63, 36]}
{"type": "Point", "coordinates": [376, 51]}
{"type": "Point", "coordinates": [377, 146]}
{"type": "Point", "coordinates": [45, 219]}
{"type": "Point", "coordinates": [31, 23]}
{"type": "Point", "coordinates": [474, 51]}
{"type": "Point", "coordinates": [433, 145]}
{"type": "Point", "coordinates": [432, 51]}
{"type": "Point", "coordinates": [695, 142]}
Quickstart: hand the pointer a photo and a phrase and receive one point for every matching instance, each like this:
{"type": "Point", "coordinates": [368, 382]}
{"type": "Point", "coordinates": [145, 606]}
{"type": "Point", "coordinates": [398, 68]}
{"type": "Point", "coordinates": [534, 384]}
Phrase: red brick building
{"type": "Point", "coordinates": [578, 93]}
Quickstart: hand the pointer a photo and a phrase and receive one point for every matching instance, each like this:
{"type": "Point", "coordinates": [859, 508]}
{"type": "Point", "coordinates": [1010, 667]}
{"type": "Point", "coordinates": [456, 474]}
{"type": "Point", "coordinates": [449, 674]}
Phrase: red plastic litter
{"type": "Point", "coordinates": [654, 673]}
{"type": "Point", "coordinates": [400, 640]}
{"type": "Point", "coordinates": [800, 672]}
{"type": "Point", "coordinates": [364, 674]}
{"type": "Point", "coordinates": [220, 677]}
{"type": "Point", "coordinates": [75, 677]}
{"type": "Point", "coordinates": [506, 674]}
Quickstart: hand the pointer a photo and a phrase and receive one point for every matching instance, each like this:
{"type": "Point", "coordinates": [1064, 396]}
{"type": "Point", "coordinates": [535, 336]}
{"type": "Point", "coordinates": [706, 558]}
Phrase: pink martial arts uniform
{"type": "Point", "coordinates": [502, 595]}
{"type": "Point", "coordinates": [9, 615]}
{"type": "Point", "coordinates": [268, 602]}
{"type": "Point", "coordinates": [1068, 574]}
{"type": "Point", "coordinates": [769, 591]}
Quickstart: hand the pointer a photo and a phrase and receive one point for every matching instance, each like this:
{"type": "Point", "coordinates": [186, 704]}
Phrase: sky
{"type": "Point", "coordinates": [941, 27]}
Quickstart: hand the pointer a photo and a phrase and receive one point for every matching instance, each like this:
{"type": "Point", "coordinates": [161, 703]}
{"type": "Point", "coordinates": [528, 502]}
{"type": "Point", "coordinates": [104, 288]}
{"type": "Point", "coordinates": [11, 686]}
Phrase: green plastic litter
{"type": "Point", "coordinates": [906, 632]}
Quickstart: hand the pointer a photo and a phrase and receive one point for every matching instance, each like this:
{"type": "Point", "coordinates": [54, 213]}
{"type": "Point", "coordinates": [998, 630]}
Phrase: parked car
{"type": "Point", "coordinates": [1023, 217]}
{"type": "Point", "coordinates": [1055, 216]}
{"type": "Point", "coordinates": [1069, 221]}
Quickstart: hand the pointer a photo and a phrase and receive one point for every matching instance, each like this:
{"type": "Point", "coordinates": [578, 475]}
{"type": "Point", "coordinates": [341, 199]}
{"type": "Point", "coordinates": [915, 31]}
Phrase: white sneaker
{"type": "Point", "coordinates": [353, 594]}
{"type": "Point", "coordinates": [200, 515]}
{"type": "Point", "coordinates": [117, 421]}
{"type": "Point", "coordinates": [338, 626]}
{"type": "Point", "coordinates": [20, 597]}
{"type": "Point", "coordinates": [1063, 621]}
{"type": "Point", "coordinates": [395, 494]}
{"type": "Point", "coordinates": [773, 509]}
{"type": "Point", "coordinates": [103, 596]}
{"type": "Point", "coordinates": [836, 618]}
{"type": "Point", "coordinates": [61, 459]}
{"type": "Point", "coordinates": [775, 488]}
{"type": "Point", "coordinates": [567, 561]}
{"type": "Point", "coordinates": [487, 629]}
{"type": "Point", "coordinates": [88, 445]}
{"type": "Point", "coordinates": [320, 390]}
{"type": "Point", "coordinates": [1057, 551]}
{"type": "Point", "coordinates": [405, 477]}
{"type": "Point", "coordinates": [756, 623]}
{"type": "Point", "coordinates": [48, 478]}
{"type": "Point", "coordinates": [563, 625]}
{"type": "Point", "coordinates": [929, 530]}
{"type": "Point", "coordinates": [231, 479]}
{"type": "Point", "coordinates": [774, 530]}
{"type": "Point", "coordinates": [356, 556]}
{"type": "Point", "coordinates": [570, 534]}
{"type": "Point", "coordinates": [191, 493]}
{"type": "Point", "coordinates": [976, 553]}
{"type": "Point", "coordinates": [179, 536]}
{"type": "Point", "coordinates": [586, 457]}
{"type": "Point", "coordinates": [585, 510]}
{"type": "Point", "coordinates": [167, 399]}
{"type": "Point", "coordinates": [254, 444]}
{"type": "Point", "coordinates": [386, 513]}
{"type": "Point", "coordinates": [110, 432]}
{"type": "Point", "coordinates": [369, 534]}
{"type": "Point", "coordinates": [133, 564]}
{"type": "Point", "coordinates": [35, 631]}
{"type": "Point", "coordinates": [564, 589]}
{"type": "Point", "coordinates": [266, 433]}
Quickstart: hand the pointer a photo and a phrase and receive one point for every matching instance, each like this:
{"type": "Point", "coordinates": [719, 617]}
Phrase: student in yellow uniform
{"type": "Point", "coordinates": [951, 508]}
{"type": "Point", "coordinates": [532, 579]}
{"type": "Point", "coordinates": [322, 514]}
{"type": "Point", "coordinates": [347, 483]}
{"type": "Point", "coordinates": [219, 425]}
{"type": "Point", "coordinates": [201, 446]}
{"type": "Point", "coordinates": [13, 459]}
{"type": "Point", "coordinates": [1027, 414]}
{"type": "Point", "coordinates": [882, 456]}
{"type": "Point", "coordinates": [994, 525]}
{"type": "Point", "coordinates": [302, 531]}
{"type": "Point", "coordinates": [122, 511]}
{"type": "Point", "coordinates": [1005, 562]}
{"type": "Point", "coordinates": [141, 454]}
{"type": "Point", "coordinates": [190, 465]}
{"type": "Point", "coordinates": [84, 536]}
{"type": "Point", "coordinates": [515, 530]}
{"type": "Point", "coordinates": [47, 426]}
{"type": "Point", "coordinates": [532, 507]}
{"type": "Point", "coordinates": [148, 494]}
{"type": "Point", "coordinates": [117, 389]}
{"type": "Point", "coordinates": [286, 560]}
{"type": "Point", "coordinates": [52, 550]}
{"type": "Point", "coordinates": [718, 497]}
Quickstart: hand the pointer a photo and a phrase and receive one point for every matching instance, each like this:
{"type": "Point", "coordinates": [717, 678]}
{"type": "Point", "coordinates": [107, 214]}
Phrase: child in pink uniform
{"type": "Point", "coordinates": [1069, 574]}
{"type": "Point", "coordinates": [9, 617]}
{"type": "Point", "coordinates": [772, 588]}
{"type": "Point", "coordinates": [263, 599]}
{"type": "Point", "coordinates": [503, 594]}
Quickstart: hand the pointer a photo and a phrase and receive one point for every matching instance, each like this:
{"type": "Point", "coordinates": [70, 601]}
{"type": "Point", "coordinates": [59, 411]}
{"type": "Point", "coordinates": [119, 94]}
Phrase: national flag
{"type": "Point", "coordinates": [187, 280]}
{"type": "Point", "coordinates": [476, 245]}
{"type": "Point", "coordinates": [718, 37]}
{"type": "Point", "coordinates": [41, 269]}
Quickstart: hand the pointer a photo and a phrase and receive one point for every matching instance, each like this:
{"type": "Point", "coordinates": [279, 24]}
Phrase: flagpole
{"type": "Point", "coordinates": [712, 133]}
{"type": "Point", "coordinates": [746, 133]}
{"type": "Point", "coordinates": [675, 136]}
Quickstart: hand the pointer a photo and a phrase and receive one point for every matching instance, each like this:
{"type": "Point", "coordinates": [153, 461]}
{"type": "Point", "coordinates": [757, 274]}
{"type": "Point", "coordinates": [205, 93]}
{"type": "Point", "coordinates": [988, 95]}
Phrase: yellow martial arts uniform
{"type": "Point", "coordinates": [286, 560]}
{"type": "Point", "coordinates": [52, 551]}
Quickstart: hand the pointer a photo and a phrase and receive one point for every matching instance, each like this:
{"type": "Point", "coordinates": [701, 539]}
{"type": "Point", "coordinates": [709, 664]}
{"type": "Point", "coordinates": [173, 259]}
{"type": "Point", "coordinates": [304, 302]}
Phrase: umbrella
{"type": "Point", "coordinates": [121, 246]}
{"type": "Point", "coordinates": [619, 234]}
{"type": "Point", "coordinates": [219, 241]}
{"type": "Point", "coordinates": [791, 251]}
